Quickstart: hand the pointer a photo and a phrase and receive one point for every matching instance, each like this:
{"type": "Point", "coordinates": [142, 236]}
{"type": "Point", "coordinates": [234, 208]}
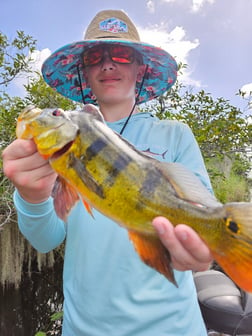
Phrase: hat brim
{"type": "Point", "coordinates": [60, 70]}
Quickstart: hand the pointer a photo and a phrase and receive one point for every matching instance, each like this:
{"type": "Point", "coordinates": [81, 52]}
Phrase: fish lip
{"type": "Point", "coordinates": [61, 151]}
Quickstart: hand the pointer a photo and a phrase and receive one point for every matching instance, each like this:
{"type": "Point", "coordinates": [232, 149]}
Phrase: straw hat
{"type": "Point", "coordinates": [63, 70]}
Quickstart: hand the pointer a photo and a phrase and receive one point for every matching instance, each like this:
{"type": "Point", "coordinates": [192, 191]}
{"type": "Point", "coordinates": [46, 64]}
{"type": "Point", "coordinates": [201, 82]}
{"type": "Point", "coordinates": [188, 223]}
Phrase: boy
{"type": "Point", "coordinates": [107, 289]}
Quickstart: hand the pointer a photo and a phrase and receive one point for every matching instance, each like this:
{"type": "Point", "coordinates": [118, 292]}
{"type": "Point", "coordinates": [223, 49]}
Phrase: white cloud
{"type": "Point", "coordinates": [247, 90]}
{"type": "Point", "coordinates": [195, 5]}
{"type": "Point", "coordinates": [174, 42]}
{"type": "Point", "coordinates": [168, 1]}
{"type": "Point", "coordinates": [37, 58]}
{"type": "Point", "coordinates": [198, 4]}
{"type": "Point", "coordinates": [150, 6]}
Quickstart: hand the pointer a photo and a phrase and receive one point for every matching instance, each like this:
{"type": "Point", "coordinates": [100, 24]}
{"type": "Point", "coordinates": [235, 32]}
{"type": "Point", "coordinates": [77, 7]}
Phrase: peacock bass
{"type": "Point", "coordinates": [98, 166]}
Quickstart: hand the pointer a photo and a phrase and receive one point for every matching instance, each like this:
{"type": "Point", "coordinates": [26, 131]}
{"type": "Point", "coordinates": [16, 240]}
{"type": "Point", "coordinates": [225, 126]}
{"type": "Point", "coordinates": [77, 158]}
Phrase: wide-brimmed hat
{"type": "Point", "coordinates": [63, 70]}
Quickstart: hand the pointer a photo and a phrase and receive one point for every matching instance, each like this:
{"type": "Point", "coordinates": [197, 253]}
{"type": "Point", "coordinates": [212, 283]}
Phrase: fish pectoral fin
{"type": "Point", "coordinates": [64, 197]}
{"type": "Point", "coordinates": [153, 253]}
{"type": "Point", "coordinates": [187, 185]}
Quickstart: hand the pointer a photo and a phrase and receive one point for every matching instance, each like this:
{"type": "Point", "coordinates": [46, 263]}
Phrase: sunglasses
{"type": "Point", "coordinates": [117, 53]}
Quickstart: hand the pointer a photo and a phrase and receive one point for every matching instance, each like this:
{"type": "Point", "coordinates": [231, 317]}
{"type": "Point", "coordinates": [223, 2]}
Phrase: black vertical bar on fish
{"type": "Point", "coordinates": [94, 149]}
{"type": "Point", "coordinates": [119, 165]}
{"type": "Point", "coordinates": [147, 190]}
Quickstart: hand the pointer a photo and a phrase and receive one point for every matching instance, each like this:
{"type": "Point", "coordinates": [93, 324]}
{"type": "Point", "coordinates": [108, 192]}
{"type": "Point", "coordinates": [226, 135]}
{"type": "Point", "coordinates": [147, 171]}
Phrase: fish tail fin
{"type": "Point", "coordinates": [237, 261]}
{"type": "Point", "coordinates": [153, 253]}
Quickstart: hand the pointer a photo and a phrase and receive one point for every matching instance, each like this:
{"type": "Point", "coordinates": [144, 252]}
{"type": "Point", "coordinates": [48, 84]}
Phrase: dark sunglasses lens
{"type": "Point", "coordinates": [93, 56]}
{"type": "Point", "coordinates": [117, 53]}
{"type": "Point", "coordinates": [121, 54]}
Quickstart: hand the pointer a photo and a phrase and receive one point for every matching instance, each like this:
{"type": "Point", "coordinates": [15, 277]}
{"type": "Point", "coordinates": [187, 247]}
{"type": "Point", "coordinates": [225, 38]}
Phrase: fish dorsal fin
{"type": "Point", "coordinates": [153, 253]}
{"type": "Point", "coordinates": [188, 186]}
{"type": "Point", "coordinates": [65, 197]}
{"type": "Point", "coordinates": [93, 111]}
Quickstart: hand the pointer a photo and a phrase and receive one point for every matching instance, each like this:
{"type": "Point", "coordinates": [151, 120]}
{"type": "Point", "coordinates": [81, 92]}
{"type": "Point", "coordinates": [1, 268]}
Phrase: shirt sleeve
{"type": "Point", "coordinates": [39, 223]}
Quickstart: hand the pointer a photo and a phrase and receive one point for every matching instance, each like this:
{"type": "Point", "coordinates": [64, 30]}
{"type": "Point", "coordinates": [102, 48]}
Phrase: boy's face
{"type": "Point", "coordinates": [113, 82]}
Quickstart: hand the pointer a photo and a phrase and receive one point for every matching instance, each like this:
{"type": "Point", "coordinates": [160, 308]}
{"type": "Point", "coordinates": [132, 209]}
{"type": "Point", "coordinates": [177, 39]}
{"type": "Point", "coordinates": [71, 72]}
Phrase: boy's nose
{"type": "Point", "coordinates": [107, 62]}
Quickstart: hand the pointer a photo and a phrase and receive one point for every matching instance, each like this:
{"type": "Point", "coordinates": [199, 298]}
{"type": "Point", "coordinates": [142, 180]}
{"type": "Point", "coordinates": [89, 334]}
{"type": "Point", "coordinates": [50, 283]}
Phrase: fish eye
{"type": "Point", "coordinates": [57, 113]}
{"type": "Point", "coordinates": [232, 225]}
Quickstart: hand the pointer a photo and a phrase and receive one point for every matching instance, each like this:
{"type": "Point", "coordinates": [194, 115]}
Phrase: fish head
{"type": "Point", "coordinates": [51, 129]}
{"type": "Point", "coordinates": [28, 114]}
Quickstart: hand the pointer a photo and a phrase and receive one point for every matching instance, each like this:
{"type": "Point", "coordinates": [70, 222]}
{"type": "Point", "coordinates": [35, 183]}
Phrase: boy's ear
{"type": "Point", "coordinates": [140, 72]}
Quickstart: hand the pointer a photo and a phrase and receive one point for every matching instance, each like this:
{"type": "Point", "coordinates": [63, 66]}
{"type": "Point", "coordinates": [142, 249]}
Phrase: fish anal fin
{"type": "Point", "coordinates": [238, 269]}
{"type": "Point", "coordinates": [65, 197]}
{"type": "Point", "coordinates": [153, 253]}
{"type": "Point", "coordinates": [88, 207]}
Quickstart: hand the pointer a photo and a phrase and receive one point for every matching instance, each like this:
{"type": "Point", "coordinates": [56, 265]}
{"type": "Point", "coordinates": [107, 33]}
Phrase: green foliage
{"type": "Point", "coordinates": [37, 93]}
{"type": "Point", "coordinates": [13, 56]}
{"type": "Point", "coordinates": [10, 107]}
{"type": "Point", "coordinates": [219, 127]}
{"type": "Point", "coordinates": [222, 132]}
{"type": "Point", "coordinates": [229, 179]}
{"type": "Point", "coordinates": [233, 188]}
{"type": "Point", "coordinates": [55, 318]}
{"type": "Point", "coordinates": [43, 96]}
{"type": "Point", "coordinates": [247, 97]}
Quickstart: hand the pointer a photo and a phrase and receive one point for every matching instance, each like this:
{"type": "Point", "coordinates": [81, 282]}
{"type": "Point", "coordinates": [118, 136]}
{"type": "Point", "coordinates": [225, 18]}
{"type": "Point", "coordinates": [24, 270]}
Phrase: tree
{"type": "Point", "coordinates": [17, 258]}
{"type": "Point", "coordinates": [223, 134]}
{"type": "Point", "coordinates": [219, 127]}
{"type": "Point", "coordinates": [43, 96]}
{"type": "Point", "coordinates": [14, 62]}
{"type": "Point", "coordinates": [13, 56]}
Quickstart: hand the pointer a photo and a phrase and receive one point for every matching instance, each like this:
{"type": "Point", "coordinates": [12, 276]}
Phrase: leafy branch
{"type": "Point", "coordinates": [13, 56]}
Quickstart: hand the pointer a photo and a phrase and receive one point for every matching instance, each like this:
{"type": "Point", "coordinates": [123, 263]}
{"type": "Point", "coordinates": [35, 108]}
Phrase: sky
{"type": "Point", "coordinates": [213, 37]}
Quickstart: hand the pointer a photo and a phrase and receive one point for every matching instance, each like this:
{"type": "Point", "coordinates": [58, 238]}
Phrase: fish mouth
{"type": "Point", "coordinates": [62, 151]}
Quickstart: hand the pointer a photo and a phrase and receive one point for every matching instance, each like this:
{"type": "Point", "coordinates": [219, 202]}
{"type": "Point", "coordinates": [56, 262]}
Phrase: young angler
{"type": "Point", "coordinates": [107, 288]}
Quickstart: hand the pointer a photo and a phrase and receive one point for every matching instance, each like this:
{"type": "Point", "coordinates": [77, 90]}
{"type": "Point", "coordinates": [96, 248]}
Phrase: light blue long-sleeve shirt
{"type": "Point", "coordinates": [107, 289]}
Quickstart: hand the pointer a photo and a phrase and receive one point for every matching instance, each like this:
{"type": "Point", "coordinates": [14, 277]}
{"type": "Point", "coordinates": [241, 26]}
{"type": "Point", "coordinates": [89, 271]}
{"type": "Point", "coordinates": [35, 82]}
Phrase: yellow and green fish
{"type": "Point", "coordinates": [98, 166]}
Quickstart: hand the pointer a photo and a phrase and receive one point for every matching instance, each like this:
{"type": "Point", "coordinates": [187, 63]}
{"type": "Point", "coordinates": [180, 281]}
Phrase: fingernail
{"type": "Point", "coordinates": [159, 227]}
{"type": "Point", "coordinates": [183, 236]}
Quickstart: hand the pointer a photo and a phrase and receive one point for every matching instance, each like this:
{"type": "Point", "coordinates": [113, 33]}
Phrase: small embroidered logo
{"type": "Point", "coordinates": [113, 25]}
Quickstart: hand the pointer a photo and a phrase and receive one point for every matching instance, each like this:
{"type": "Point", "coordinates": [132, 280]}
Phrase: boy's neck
{"type": "Point", "coordinates": [114, 112]}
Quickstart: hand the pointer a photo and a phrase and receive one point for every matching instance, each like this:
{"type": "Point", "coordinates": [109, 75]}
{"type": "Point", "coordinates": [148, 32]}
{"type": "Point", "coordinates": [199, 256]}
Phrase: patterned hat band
{"type": "Point", "coordinates": [63, 70]}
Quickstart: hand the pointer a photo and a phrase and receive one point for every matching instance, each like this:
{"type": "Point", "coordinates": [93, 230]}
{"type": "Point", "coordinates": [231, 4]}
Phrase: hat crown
{"type": "Point", "coordinates": [109, 24]}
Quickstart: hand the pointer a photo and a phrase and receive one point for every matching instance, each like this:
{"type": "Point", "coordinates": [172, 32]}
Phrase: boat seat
{"type": "Point", "coordinates": [225, 307]}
